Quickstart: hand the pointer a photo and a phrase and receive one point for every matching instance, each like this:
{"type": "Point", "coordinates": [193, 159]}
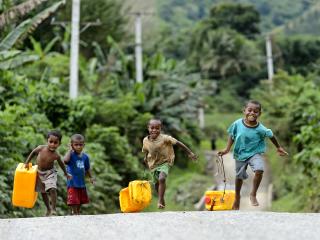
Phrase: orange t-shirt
{"type": "Point", "coordinates": [159, 150]}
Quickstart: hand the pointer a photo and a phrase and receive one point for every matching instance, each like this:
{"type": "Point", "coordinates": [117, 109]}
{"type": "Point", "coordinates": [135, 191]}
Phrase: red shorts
{"type": "Point", "coordinates": [77, 196]}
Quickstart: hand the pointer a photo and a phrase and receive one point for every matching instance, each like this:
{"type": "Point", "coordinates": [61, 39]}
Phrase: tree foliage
{"type": "Point", "coordinates": [290, 105]}
{"type": "Point", "coordinates": [297, 54]}
{"type": "Point", "coordinates": [244, 19]}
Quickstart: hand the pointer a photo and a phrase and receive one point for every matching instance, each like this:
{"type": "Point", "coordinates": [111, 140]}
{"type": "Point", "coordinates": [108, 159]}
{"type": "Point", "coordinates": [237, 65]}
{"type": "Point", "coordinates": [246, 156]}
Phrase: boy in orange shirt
{"type": "Point", "coordinates": [159, 156]}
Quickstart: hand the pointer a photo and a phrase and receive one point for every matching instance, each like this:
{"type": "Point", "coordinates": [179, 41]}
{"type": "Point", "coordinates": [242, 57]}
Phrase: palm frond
{"type": "Point", "coordinates": [14, 35]}
{"type": "Point", "coordinates": [17, 60]}
{"type": "Point", "coordinates": [18, 11]}
{"type": "Point", "coordinates": [28, 26]}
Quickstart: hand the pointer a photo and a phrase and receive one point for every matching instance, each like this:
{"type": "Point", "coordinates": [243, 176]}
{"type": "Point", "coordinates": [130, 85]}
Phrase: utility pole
{"type": "Point", "coordinates": [74, 75]}
{"type": "Point", "coordinates": [201, 117]}
{"type": "Point", "coordinates": [269, 58]}
{"type": "Point", "coordinates": [138, 48]}
{"type": "Point", "coordinates": [138, 44]}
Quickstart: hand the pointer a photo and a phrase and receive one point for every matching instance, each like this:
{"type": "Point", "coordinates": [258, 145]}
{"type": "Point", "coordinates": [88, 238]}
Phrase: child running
{"type": "Point", "coordinates": [47, 175]}
{"type": "Point", "coordinates": [159, 156]}
{"type": "Point", "coordinates": [78, 166]}
{"type": "Point", "coordinates": [248, 136]}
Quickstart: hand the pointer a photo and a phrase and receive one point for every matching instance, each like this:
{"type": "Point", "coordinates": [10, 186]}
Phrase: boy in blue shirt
{"type": "Point", "coordinates": [248, 136]}
{"type": "Point", "coordinates": [78, 166]}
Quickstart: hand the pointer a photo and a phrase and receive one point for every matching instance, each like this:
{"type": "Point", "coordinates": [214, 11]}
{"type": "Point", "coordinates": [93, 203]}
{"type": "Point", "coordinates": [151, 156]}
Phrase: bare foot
{"type": "Point", "coordinates": [254, 201]}
{"type": "Point", "coordinates": [48, 213]}
{"type": "Point", "coordinates": [236, 204]}
{"type": "Point", "coordinates": [53, 213]}
{"type": "Point", "coordinates": [161, 206]}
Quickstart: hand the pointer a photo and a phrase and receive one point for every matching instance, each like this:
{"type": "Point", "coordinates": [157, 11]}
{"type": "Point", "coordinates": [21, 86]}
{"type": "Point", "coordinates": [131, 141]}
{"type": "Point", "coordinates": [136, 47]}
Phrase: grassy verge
{"type": "Point", "coordinates": [289, 203]}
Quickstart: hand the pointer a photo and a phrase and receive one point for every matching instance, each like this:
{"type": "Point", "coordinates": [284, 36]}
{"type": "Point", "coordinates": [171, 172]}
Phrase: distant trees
{"type": "Point", "coordinates": [222, 48]}
{"type": "Point", "coordinates": [297, 54]}
{"type": "Point", "coordinates": [244, 19]}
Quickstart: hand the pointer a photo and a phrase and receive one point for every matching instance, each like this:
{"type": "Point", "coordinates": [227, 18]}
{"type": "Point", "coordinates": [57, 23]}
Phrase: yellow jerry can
{"type": "Point", "coordinates": [140, 192]}
{"type": "Point", "coordinates": [219, 200]}
{"type": "Point", "coordinates": [126, 205]}
{"type": "Point", "coordinates": [24, 194]}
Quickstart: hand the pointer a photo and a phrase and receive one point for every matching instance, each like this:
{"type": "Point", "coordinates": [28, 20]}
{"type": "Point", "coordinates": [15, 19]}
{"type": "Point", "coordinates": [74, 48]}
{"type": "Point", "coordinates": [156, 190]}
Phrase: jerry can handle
{"type": "Point", "coordinates": [213, 201]}
{"type": "Point", "coordinates": [29, 166]}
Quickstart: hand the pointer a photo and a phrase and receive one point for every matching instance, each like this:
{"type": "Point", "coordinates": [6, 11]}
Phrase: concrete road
{"type": "Point", "coordinates": [166, 225]}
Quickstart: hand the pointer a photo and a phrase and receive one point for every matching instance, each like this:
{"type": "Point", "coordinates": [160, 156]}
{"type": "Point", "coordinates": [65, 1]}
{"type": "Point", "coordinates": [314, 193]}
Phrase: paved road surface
{"type": "Point", "coordinates": [204, 225]}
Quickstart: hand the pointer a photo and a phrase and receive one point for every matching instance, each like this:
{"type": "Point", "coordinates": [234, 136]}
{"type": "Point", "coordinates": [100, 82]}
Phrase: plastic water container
{"type": "Point", "coordinates": [140, 192]}
{"type": "Point", "coordinates": [135, 197]}
{"type": "Point", "coordinates": [24, 194]}
{"type": "Point", "coordinates": [126, 205]}
{"type": "Point", "coordinates": [215, 200]}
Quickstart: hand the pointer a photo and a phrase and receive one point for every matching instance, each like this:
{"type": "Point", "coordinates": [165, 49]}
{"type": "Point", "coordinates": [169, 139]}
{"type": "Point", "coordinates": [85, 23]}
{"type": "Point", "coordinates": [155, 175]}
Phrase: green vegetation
{"type": "Point", "coordinates": [198, 58]}
{"type": "Point", "coordinates": [180, 14]}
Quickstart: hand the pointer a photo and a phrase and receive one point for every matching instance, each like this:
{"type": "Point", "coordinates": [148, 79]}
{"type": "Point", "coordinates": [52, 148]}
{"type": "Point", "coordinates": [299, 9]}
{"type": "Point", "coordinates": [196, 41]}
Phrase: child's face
{"type": "Point", "coordinates": [252, 112]}
{"type": "Point", "coordinates": [53, 143]}
{"type": "Point", "coordinates": [77, 146]}
{"type": "Point", "coordinates": [154, 129]}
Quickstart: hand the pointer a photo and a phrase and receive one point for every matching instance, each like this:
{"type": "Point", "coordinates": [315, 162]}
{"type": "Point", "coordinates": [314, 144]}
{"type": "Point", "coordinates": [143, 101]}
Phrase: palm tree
{"type": "Point", "coordinates": [12, 14]}
{"type": "Point", "coordinates": [224, 52]}
{"type": "Point", "coordinates": [13, 58]}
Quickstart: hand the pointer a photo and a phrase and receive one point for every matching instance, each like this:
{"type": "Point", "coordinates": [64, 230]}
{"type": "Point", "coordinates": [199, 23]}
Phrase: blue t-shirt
{"type": "Point", "coordinates": [77, 167]}
{"type": "Point", "coordinates": [248, 141]}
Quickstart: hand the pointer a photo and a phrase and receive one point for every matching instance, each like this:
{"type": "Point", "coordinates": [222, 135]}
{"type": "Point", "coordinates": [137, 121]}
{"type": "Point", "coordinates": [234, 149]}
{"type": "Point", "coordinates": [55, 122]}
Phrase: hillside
{"type": "Point", "coordinates": [184, 13]}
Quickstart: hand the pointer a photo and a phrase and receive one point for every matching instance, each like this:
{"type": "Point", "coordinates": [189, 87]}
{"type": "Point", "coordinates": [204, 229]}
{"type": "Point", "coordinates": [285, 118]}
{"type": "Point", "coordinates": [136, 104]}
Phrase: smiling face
{"type": "Point", "coordinates": [154, 128]}
{"type": "Point", "coordinates": [251, 112]}
{"type": "Point", "coordinates": [53, 142]}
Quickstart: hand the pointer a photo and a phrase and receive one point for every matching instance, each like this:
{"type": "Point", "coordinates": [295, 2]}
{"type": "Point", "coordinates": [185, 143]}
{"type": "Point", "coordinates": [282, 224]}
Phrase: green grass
{"type": "Point", "coordinates": [222, 119]}
{"type": "Point", "coordinates": [289, 203]}
{"type": "Point", "coordinates": [217, 125]}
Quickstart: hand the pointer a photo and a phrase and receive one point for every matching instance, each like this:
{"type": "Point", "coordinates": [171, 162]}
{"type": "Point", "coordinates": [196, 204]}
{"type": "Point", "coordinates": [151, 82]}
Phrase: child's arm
{"type": "Point", "coordinates": [88, 173]}
{"type": "Point", "coordinates": [280, 150]}
{"type": "Point", "coordinates": [145, 159]}
{"type": "Point", "coordinates": [63, 167]}
{"type": "Point", "coordinates": [32, 154]}
{"type": "Point", "coordinates": [227, 149]}
{"type": "Point", "coordinates": [191, 155]}
{"type": "Point", "coordinates": [67, 157]}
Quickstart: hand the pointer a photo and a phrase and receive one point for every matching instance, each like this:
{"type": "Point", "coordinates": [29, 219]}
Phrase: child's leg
{"type": "Point", "coordinates": [256, 163]}
{"type": "Point", "coordinates": [256, 183]}
{"type": "Point", "coordinates": [53, 196]}
{"type": "Point", "coordinates": [75, 209]}
{"type": "Point", "coordinates": [161, 189]}
{"type": "Point", "coordinates": [46, 202]}
{"type": "Point", "coordinates": [78, 209]}
{"type": "Point", "coordinates": [241, 174]}
{"type": "Point", "coordinates": [236, 203]}
{"type": "Point", "coordinates": [156, 186]}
